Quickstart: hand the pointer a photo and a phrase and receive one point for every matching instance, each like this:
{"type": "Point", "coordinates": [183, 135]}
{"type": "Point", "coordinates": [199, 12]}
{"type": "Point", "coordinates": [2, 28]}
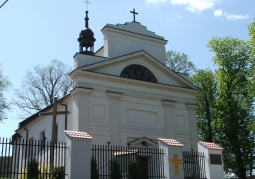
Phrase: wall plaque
{"type": "Point", "coordinates": [215, 159]}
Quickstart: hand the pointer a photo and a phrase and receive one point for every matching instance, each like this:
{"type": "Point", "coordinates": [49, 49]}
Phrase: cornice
{"type": "Point", "coordinates": [191, 106]}
{"type": "Point", "coordinates": [115, 95]}
{"type": "Point", "coordinates": [112, 30]}
{"type": "Point", "coordinates": [119, 80]}
{"type": "Point", "coordinates": [80, 90]}
{"type": "Point", "coordinates": [168, 103]}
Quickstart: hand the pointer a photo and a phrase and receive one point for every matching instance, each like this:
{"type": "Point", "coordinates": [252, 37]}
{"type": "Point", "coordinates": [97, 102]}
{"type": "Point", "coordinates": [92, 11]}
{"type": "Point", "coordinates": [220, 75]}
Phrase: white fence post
{"type": "Point", "coordinates": [213, 160]}
{"type": "Point", "coordinates": [173, 159]}
{"type": "Point", "coordinates": [78, 155]}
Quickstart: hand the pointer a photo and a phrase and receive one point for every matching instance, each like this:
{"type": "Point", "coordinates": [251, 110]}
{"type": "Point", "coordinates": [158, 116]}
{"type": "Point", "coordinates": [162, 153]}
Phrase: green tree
{"type": "Point", "coordinates": [41, 85]}
{"type": "Point", "coordinates": [179, 62]}
{"type": "Point", "coordinates": [4, 85]}
{"type": "Point", "coordinates": [205, 80]}
{"type": "Point", "coordinates": [251, 29]}
{"type": "Point", "coordinates": [234, 105]}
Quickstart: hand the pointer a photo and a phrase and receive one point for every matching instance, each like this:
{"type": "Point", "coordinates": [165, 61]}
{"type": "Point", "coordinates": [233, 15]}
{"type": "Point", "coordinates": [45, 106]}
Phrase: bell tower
{"type": "Point", "coordinates": [86, 39]}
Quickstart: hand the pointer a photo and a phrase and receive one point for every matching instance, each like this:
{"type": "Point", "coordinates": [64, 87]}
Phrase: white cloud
{"type": "Point", "coordinates": [196, 5]}
{"type": "Point", "coordinates": [229, 16]}
{"type": "Point", "coordinates": [192, 5]}
{"type": "Point", "coordinates": [218, 12]}
{"type": "Point", "coordinates": [155, 1]}
{"type": "Point", "coordinates": [175, 18]}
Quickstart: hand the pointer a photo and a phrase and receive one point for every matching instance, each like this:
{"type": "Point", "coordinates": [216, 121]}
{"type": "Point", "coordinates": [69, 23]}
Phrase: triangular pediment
{"type": "Point", "coordinates": [163, 74]}
{"type": "Point", "coordinates": [143, 142]}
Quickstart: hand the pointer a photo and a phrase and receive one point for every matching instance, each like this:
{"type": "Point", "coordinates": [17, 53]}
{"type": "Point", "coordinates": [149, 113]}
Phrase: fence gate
{"type": "Point", "coordinates": [194, 165]}
{"type": "Point", "coordinates": [118, 162]}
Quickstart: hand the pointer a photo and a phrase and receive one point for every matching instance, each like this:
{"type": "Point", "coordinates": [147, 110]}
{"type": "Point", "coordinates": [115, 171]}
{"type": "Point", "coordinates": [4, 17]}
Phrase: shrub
{"type": "Point", "coordinates": [59, 173]}
{"type": "Point", "coordinates": [32, 168]}
{"type": "Point", "coordinates": [114, 169]}
{"type": "Point", "coordinates": [94, 169]}
{"type": "Point", "coordinates": [133, 170]}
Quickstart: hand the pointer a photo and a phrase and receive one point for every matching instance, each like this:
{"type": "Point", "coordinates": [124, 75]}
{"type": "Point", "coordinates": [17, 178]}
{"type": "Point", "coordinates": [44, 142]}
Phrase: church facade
{"type": "Point", "coordinates": [123, 93]}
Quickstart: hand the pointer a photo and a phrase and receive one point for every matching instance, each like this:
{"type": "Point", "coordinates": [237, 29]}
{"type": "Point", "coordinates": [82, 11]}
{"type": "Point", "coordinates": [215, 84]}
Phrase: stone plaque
{"type": "Point", "coordinates": [215, 159]}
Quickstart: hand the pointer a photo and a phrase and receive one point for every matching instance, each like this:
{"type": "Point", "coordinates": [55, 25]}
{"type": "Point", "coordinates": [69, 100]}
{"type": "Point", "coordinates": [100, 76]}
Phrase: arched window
{"type": "Point", "coordinates": [138, 72]}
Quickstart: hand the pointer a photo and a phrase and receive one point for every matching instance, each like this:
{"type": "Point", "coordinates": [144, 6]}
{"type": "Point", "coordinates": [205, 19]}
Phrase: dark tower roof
{"type": "Point", "coordinates": [86, 38]}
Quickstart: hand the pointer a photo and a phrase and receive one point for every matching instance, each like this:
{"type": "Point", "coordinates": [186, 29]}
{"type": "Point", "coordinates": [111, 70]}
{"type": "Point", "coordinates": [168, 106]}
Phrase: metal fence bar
{"type": "Point", "coordinates": [123, 158]}
{"type": "Point", "coordinates": [194, 165]}
{"type": "Point", "coordinates": [17, 158]}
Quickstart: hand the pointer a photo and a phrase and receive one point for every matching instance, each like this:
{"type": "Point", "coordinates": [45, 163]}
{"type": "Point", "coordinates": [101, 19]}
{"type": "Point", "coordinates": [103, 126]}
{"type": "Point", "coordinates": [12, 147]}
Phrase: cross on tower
{"type": "Point", "coordinates": [87, 2]}
{"type": "Point", "coordinates": [134, 13]}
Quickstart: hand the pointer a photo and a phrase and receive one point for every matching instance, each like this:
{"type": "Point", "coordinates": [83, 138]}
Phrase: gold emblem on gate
{"type": "Point", "coordinates": [176, 162]}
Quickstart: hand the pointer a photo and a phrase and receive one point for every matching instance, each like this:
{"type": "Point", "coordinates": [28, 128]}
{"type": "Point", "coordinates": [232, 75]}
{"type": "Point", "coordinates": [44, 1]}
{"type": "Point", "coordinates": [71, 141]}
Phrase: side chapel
{"type": "Point", "coordinates": [123, 93]}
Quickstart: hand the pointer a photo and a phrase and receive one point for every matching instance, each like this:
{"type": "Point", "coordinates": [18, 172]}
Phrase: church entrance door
{"type": "Point", "coordinates": [143, 167]}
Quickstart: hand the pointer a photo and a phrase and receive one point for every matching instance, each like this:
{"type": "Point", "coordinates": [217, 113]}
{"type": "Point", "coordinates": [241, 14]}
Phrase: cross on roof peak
{"type": "Point", "coordinates": [134, 13]}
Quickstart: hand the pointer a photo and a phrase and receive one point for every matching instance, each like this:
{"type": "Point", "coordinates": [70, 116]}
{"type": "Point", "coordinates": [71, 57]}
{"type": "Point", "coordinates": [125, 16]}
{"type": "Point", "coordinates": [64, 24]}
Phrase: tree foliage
{"type": "Point", "coordinates": [251, 29]}
{"type": "Point", "coordinates": [179, 62]}
{"type": "Point", "coordinates": [206, 81]}
{"type": "Point", "coordinates": [4, 85]}
{"type": "Point", "coordinates": [234, 106]}
{"type": "Point", "coordinates": [41, 85]}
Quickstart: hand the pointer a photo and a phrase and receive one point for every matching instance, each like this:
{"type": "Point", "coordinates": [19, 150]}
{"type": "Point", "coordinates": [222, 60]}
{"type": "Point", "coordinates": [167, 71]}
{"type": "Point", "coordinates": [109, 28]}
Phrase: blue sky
{"type": "Point", "coordinates": [34, 32]}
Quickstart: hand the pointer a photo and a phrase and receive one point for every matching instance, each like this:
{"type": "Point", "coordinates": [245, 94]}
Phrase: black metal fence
{"type": "Point", "coordinates": [194, 165]}
{"type": "Point", "coordinates": [117, 162]}
{"type": "Point", "coordinates": [31, 159]}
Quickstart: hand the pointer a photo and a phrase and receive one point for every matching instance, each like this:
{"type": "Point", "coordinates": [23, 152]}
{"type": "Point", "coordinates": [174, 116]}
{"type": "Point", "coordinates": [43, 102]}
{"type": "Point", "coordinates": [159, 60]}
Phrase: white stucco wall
{"type": "Point", "coordinates": [212, 171]}
{"type": "Point", "coordinates": [141, 115]}
{"type": "Point", "coordinates": [133, 37]}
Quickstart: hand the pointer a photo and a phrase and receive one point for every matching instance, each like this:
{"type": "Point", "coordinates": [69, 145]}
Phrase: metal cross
{"type": "Point", "coordinates": [134, 13]}
{"type": "Point", "coordinates": [53, 132]}
{"type": "Point", "coordinates": [87, 2]}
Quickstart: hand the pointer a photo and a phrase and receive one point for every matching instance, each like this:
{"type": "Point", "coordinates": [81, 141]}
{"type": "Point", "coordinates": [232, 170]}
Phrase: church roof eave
{"type": "Point", "coordinates": [36, 115]}
{"type": "Point", "coordinates": [99, 49]}
{"type": "Point", "coordinates": [111, 26]}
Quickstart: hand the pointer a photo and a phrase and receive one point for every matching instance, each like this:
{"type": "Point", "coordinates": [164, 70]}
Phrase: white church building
{"type": "Point", "coordinates": [123, 93]}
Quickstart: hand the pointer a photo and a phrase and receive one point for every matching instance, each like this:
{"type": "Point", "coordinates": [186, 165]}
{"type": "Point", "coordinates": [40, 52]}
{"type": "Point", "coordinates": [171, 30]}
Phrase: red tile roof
{"type": "Point", "coordinates": [211, 145]}
{"type": "Point", "coordinates": [171, 142]}
{"type": "Point", "coordinates": [77, 134]}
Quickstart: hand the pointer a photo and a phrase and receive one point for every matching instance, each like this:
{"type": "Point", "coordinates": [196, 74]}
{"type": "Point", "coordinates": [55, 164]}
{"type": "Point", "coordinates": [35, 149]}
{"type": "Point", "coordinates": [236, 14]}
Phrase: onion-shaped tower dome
{"type": "Point", "coordinates": [86, 39]}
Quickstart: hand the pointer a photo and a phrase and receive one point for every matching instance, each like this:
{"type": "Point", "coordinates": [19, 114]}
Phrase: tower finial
{"type": "Point", "coordinates": [86, 20]}
{"type": "Point", "coordinates": [86, 38]}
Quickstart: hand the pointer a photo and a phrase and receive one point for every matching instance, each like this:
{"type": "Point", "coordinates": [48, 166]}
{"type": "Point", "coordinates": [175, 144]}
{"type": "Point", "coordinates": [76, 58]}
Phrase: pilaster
{"type": "Point", "coordinates": [169, 117]}
{"type": "Point", "coordinates": [114, 107]}
{"type": "Point", "coordinates": [193, 124]}
{"type": "Point", "coordinates": [80, 108]}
